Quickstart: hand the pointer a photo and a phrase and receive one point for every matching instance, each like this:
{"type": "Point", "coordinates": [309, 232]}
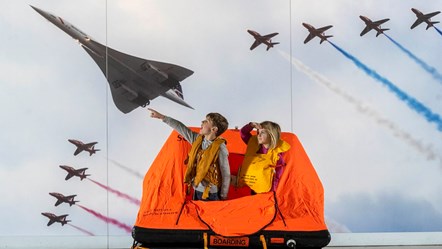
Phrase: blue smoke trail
{"type": "Point", "coordinates": [425, 66]}
{"type": "Point", "coordinates": [363, 108]}
{"type": "Point", "coordinates": [411, 102]}
{"type": "Point", "coordinates": [438, 31]}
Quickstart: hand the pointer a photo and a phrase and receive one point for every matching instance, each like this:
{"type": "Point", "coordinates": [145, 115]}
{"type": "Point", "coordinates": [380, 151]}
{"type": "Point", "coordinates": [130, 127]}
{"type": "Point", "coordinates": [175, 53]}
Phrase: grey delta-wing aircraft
{"type": "Point", "coordinates": [133, 81]}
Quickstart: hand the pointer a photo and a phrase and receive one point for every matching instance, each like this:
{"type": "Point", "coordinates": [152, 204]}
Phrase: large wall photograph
{"type": "Point", "coordinates": [358, 82]}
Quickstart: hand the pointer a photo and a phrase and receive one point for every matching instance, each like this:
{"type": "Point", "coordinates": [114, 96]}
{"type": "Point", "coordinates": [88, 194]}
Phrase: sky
{"type": "Point", "coordinates": [365, 108]}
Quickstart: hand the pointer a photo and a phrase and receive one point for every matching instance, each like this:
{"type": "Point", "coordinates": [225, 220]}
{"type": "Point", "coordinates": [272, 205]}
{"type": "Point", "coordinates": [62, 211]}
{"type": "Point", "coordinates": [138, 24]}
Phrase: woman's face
{"type": "Point", "coordinates": [263, 137]}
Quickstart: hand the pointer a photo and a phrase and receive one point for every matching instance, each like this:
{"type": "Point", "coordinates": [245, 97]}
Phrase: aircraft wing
{"type": "Point", "coordinates": [177, 72]}
{"type": "Point", "coordinates": [255, 44]}
{"type": "Point", "coordinates": [269, 35]}
{"type": "Point", "coordinates": [309, 37]}
{"type": "Point", "coordinates": [91, 144]}
{"type": "Point", "coordinates": [82, 170]}
{"type": "Point", "coordinates": [430, 15]}
{"type": "Point", "coordinates": [122, 96]}
{"type": "Point", "coordinates": [51, 221]}
{"type": "Point", "coordinates": [58, 202]}
{"type": "Point", "coordinates": [366, 30]}
{"type": "Point", "coordinates": [135, 81]}
{"type": "Point", "coordinates": [324, 28]}
{"type": "Point", "coordinates": [377, 23]}
{"type": "Point", "coordinates": [69, 176]}
{"type": "Point", "coordinates": [77, 151]}
{"type": "Point", "coordinates": [416, 23]}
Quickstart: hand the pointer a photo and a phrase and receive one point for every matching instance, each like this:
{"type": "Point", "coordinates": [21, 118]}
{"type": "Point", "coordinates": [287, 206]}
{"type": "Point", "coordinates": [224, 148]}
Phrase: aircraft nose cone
{"type": "Point", "coordinates": [41, 12]}
{"type": "Point", "coordinates": [36, 9]}
{"type": "Point", "coordinates": [306, 25]}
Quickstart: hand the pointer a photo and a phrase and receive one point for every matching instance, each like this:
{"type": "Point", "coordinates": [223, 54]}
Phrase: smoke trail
{"type": "Point", "coordinates": [118, 193]}
{"type": "Point", "coordinates": [364, 109]}
{"type": "Point", "coordinates": [81, 229]}
{"type": "Point", "coordinates": [107, 219]}
{"type": "Point", "coordinates": [131, 171]}
{"type": "Point", "coordinates": [438, 30]}
{"type": "Point", "coordinates": [410, 101]}
{"type": "Point", "coordinates": [433, 71]}
{"type": "Point", "coordinates": [336, 227]}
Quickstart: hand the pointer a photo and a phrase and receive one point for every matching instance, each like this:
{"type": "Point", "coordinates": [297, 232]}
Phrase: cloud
{"type": "Point", "coordinates": [385, 212]}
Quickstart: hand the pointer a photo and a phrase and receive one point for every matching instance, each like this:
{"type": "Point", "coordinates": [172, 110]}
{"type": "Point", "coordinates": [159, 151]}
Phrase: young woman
{"type": "Point", "coordinates": [263, 163]}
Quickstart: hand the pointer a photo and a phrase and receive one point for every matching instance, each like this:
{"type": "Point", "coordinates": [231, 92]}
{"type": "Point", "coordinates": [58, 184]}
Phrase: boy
{"type": "Point", "coordinates": [208, 169]}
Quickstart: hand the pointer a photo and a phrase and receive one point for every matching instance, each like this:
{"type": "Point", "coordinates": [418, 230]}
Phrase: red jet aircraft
{"type": "Point", "coordinates": [376, 25]}
{"type": "Point", "coordinates": [266, 39]}
{"type": "Point", "coordinates": [54, 218]}
{"type": "Point", "coordinates": [316, 32]}
{"type": "Point", "coordinates": [89, 147]}
{"type": "Point", "coordinates": [74, 172]}
{"type": "Point", "coordinates": [423, 18]}
{"type": "Point", "coordinates": [61, 198]}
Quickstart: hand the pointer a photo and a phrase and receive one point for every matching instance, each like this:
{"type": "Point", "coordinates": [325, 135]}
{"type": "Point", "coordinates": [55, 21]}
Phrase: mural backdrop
{"type": "Point", "coordinates": [367, 109]}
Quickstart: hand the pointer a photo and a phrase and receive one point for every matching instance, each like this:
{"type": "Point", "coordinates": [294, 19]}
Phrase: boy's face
{"type": "Point", "coordinates": [206, 127]}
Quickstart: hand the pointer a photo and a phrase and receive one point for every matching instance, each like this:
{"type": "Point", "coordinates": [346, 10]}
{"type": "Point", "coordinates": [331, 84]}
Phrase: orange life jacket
{"type": "Point", "coordinates": [203, 164]}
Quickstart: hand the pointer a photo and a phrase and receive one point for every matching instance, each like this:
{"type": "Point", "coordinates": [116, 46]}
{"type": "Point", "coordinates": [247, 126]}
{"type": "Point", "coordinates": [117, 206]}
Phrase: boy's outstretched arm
{"type": "Point", "coordinates": [155, 114]}
{"type": "Point", "coordinates": [182, 129]}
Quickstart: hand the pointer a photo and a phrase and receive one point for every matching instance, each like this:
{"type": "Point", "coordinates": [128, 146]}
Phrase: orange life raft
{"type": "Point", "coordinates": [293, 216]}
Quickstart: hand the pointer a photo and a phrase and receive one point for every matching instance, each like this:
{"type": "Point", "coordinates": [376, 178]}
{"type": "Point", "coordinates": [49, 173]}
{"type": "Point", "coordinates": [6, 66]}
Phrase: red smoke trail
{"type": "Point", "coordinates": [107, 219]}
{"type": "Point", "coordinates": [122, 195]}
{"type": "Point", "coordinates": [133, 172]}
{"type": "Point", "coordinates": [81, 229]}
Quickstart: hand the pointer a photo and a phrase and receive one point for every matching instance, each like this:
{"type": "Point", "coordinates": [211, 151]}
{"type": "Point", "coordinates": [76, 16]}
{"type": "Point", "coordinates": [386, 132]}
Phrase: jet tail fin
{"type": "Point", "coordinates": [84, 176]}
{"type": "Point", "coordinates": [431, 24]}
{"type": "Point", "coordinates": [381, 31]}
{"type": "Point", "coordinates": [271, 45]}
{"type": "Point", "coordinates": [65, 222]}
{"type": "Point", "coordinates": [325, 38]}
{"type": "Point", "coordinates": [93, 150]}
{"type": "Point", "coordinates": [179, 91]}
{"type": "Point", "coordinates": [73, 203]}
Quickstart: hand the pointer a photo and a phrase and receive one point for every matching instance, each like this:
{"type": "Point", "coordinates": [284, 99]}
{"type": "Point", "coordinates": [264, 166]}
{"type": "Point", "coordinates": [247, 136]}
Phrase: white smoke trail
{"type": "Point", "coordinates": [336, 227]}
{"type": "Point", "coordinates": [427, 150]}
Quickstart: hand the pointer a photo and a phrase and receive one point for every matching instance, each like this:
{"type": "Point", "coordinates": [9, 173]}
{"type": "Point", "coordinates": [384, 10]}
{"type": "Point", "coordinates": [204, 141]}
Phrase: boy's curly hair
{"type": "Point", "coordinates": [219, 121]}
